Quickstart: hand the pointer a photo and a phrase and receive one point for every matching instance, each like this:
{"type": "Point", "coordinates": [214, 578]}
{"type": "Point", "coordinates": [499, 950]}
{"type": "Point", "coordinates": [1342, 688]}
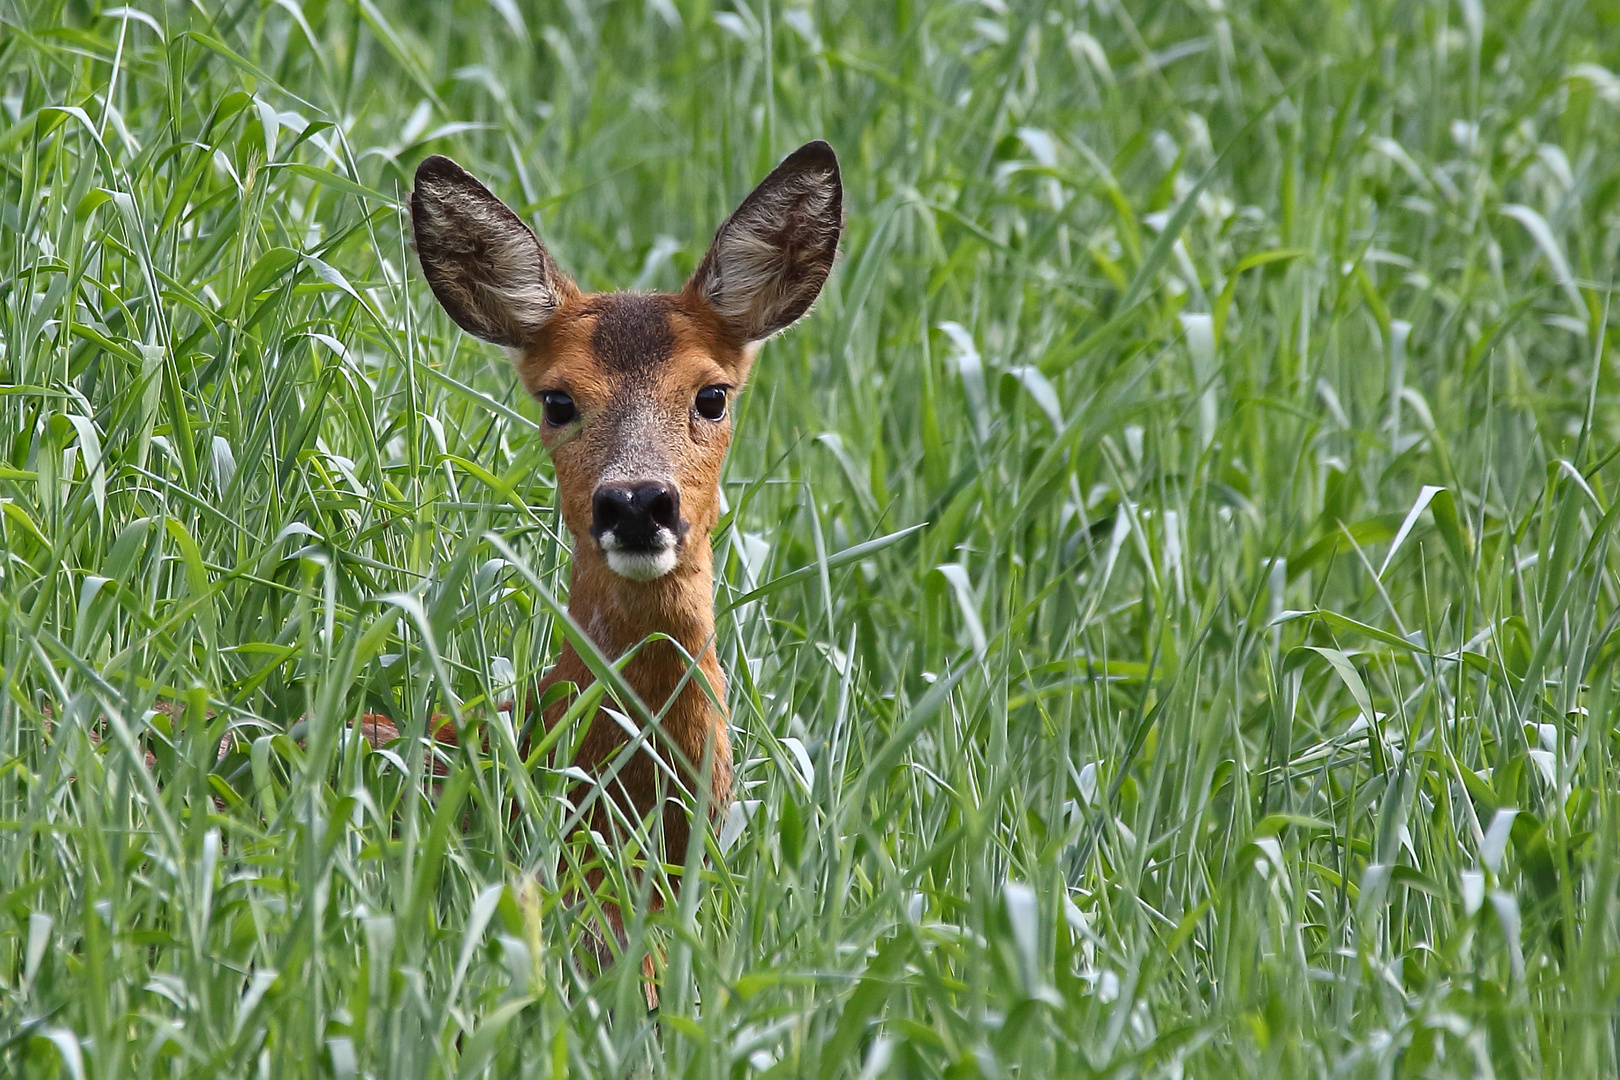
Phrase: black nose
{"type": "Point", "coordinates": [634, 513]}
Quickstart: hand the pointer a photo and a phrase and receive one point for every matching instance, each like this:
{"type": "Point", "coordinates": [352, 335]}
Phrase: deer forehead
{"type": "Point", "coordinates": [629, 343]}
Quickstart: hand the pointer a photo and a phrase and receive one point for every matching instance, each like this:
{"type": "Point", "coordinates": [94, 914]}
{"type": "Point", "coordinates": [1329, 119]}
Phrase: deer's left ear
{"type": "Point", "coordinates": [769, 260]}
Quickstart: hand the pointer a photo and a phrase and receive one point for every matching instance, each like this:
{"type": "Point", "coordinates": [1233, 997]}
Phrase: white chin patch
{"type": "Point", "coordinates": [640, 565]}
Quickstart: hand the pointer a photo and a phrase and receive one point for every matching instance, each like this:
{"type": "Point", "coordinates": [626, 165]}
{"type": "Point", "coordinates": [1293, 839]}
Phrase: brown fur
{"type": "Point", "coordinates": [633, 366]}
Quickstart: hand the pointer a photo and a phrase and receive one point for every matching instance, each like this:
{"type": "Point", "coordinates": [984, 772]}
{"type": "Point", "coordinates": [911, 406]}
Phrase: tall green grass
{"type": "Point", "coordinates": [1244, 707]}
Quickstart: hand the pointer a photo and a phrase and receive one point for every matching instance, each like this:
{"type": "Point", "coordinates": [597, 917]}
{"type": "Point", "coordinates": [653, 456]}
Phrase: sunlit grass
{"type": "Point", "coordinates": [1243, 707]}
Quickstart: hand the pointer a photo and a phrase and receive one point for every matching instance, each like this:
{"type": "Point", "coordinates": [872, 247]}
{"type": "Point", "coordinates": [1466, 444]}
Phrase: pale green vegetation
{"type": "Point", "coordinates": [1244, 708]}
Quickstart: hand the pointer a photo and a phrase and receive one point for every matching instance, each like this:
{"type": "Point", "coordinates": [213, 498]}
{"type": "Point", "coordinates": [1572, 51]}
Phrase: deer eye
{"type": "Point", "coordinates": [559, 408]}
{"type": "Point", "coordinates": [711, 402]}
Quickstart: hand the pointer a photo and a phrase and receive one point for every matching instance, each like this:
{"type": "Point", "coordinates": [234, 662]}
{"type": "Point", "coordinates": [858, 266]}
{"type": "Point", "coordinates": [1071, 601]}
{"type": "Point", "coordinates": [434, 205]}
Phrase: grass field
{"type": "Point", "coordinates": [1243, 706]}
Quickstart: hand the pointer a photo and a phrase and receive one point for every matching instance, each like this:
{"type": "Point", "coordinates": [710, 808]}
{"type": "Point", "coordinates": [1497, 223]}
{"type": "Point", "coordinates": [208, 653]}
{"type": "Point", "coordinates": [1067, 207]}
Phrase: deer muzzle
{"type": "Point", "coordinates": [638, 527]}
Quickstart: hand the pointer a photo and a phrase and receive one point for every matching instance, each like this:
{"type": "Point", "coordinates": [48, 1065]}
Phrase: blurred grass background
{"type": "Point", "coordinates": [1245, 706]}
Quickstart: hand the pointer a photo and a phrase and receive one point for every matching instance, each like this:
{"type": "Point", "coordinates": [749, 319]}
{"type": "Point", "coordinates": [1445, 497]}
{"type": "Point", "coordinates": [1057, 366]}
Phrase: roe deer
{"type": "Point", "coordinates": [635, 391]}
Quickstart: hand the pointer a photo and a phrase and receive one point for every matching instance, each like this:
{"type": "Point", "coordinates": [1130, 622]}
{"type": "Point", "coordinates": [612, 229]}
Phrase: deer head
{"type": "Point", "coordinates": [635, 390]}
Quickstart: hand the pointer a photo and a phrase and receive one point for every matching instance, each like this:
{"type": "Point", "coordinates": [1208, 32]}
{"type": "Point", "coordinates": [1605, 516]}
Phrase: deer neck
{"type": "Point", "coordinates": [618, 614]}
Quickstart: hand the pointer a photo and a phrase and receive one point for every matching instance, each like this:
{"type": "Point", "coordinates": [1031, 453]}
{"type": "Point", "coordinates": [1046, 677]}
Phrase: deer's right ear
{"type": "Point", "coordinates": [489, 270]}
